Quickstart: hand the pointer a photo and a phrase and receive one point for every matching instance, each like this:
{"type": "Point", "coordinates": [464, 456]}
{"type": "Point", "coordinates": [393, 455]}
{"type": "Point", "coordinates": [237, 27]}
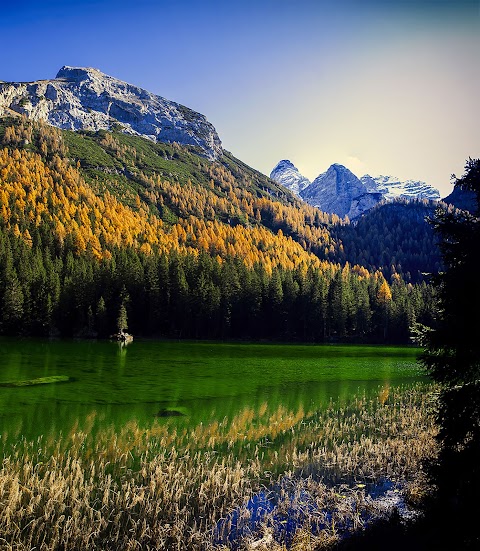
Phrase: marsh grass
{"type": "Point", "coordinates": [169, 486]}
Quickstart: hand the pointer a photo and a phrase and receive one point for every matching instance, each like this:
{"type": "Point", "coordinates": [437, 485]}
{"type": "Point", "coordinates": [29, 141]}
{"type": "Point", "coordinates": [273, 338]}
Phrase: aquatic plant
{"type": "Point", "coordinates": [168, 487]}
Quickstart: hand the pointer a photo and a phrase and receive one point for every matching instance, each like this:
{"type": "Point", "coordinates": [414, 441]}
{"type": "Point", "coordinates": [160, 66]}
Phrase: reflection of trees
{"type": "Point", "coordinates": [122, 354]}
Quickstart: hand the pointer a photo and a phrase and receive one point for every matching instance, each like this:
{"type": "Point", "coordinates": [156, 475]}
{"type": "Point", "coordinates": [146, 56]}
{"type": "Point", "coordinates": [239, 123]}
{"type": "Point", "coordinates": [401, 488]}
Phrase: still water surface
{"type": "Point", "coordinates": [204, 381]}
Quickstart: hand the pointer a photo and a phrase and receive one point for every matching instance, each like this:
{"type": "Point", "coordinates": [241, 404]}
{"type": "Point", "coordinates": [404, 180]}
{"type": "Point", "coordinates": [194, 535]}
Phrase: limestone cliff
{"type": "Point", "coordinates": [86, 99]}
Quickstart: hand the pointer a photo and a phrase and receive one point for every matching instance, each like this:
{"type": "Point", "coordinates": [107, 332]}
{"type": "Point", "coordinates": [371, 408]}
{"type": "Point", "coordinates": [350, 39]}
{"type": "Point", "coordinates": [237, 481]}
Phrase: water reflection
{"type": "Point", "coordinates": [114, 384]}
{"type": "Point", "coordinates": [122, 355]}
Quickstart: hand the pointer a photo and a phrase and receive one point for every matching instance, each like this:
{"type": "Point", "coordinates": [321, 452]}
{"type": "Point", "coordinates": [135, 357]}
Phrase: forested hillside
{"type": "Point", "coordinates": [395, 238]}
{"type": "Point", "coordinates": [94, 223]}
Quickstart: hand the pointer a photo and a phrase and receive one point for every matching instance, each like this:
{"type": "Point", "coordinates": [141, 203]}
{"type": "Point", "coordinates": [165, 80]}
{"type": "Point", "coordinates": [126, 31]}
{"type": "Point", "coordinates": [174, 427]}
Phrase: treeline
{"type": "Point", "coordinates": [46, 291]}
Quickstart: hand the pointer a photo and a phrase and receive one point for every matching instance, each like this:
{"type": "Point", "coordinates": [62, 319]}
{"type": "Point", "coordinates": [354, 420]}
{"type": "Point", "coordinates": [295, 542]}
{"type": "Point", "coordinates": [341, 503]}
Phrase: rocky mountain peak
{"type": "Point", "coordinates": [340, 192]}
{"type": "Point", "coordinates": [284, 164]}
{"type": "Point", "coordinates": [392, 187]}
{"type": "Point", "coordinates": [287, 174]}
{"type": "Point", "coordinates": [76, 74]}
{"type": "Point", "coordinates": [84, 98]}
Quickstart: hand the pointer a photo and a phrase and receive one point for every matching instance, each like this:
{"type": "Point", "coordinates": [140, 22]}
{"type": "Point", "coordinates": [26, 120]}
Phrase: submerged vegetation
{"type": "Point", "coordinates": [39, 381]}
{"type": "Point", "coordinates": [261, 480]}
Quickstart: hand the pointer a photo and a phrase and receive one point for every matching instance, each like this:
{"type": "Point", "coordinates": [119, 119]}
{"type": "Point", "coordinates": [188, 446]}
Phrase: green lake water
{"type": "Point", "coordinates": [205, 381]}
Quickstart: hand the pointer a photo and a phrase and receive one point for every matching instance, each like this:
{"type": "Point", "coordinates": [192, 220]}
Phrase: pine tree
{"type": "Point", "coordinates": [384, 298]}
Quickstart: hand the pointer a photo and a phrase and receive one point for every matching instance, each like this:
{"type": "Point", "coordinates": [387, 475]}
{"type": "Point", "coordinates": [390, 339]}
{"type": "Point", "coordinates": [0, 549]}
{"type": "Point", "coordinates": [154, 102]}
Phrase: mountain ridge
{"type": "Point", "coordinates": [392, 187]}
{"type": "Point", "coordinates": [339, 191]}
{"type": "Point", "coordinates": [84, 98]}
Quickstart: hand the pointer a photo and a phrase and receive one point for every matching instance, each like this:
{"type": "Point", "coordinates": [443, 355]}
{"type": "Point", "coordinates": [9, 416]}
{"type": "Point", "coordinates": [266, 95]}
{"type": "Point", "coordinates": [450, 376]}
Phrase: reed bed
{"type": "Point", "coordinates": [171, 487]}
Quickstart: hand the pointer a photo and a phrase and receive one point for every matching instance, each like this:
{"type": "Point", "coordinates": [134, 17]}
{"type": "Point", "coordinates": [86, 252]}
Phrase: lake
{"type": "Point", "coordinates": [184, 383]}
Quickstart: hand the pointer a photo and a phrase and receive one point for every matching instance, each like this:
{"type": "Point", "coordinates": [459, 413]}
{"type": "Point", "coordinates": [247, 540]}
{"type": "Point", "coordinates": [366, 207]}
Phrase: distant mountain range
{"type": "Point", "coordinates": [339, 191]}
{"type": "Point", "coordinates": [83, 98]}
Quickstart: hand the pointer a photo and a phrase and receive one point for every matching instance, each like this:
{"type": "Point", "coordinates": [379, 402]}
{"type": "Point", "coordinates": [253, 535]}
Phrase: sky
{"type": "Point", "coordinates": [382, 87]}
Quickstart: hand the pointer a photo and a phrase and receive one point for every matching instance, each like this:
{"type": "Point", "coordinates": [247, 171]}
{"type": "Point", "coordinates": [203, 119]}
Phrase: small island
{"type": "Point", "coordinates": [122, 337]}
{"type": "Point", "coordinates": [122, 326]}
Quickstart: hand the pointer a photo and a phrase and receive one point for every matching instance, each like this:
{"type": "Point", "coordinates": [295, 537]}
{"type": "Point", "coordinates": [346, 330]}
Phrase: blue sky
{"type": "Point", "coordinates": [382, 87]}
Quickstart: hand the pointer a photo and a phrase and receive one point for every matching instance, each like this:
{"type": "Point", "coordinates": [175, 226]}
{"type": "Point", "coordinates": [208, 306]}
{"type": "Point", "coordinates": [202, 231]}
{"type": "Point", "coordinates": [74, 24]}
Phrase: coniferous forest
{"type": "Point", "coordinates": [95, 223]}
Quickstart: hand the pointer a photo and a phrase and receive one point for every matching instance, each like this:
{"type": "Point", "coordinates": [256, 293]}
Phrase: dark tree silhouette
{"type": "Point", "coordinates": [452, 357]}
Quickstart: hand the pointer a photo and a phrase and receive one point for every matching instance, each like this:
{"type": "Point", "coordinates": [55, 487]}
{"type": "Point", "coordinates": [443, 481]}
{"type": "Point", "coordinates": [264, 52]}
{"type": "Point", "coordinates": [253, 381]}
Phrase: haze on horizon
{"type": "Point", "coordinates": [383, 88]}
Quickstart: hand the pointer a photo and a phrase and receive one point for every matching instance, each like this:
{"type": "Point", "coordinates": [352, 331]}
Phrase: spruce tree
{"type": "Point", "coordinates": [101, 317]}
{"type": "Point", "coordinates": [13, 305]}
{"type": "Point", "coordinates": [122, 324]}
{"type": "Point", "coordinates": [452, 357]}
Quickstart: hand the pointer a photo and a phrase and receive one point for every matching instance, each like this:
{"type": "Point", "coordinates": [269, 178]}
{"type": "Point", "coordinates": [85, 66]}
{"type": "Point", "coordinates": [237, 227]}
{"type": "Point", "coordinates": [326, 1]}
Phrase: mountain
{"type": "Point", "coordinates": [87, 99]}
{"type": "Point", "coordinates": [157, 188]}
{"type": "Point", "coordinates": [339, 191]}
{"type": "Point", "coordinates": [94, 224]}
{"type": "Point", "coordinates": [286, 174]}
{"type": "Point", "coordinates": [392, 188]}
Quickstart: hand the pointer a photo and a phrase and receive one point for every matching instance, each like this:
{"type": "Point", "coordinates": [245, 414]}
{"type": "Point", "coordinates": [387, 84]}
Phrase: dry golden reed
{"type": "Point", "coordinates": [168, 487]}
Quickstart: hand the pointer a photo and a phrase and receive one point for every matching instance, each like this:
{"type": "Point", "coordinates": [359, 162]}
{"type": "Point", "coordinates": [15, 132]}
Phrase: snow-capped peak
{"type": "Point", "coordinates": [286, 174]}
{"type": "Point", "coordinates": [392, 187]}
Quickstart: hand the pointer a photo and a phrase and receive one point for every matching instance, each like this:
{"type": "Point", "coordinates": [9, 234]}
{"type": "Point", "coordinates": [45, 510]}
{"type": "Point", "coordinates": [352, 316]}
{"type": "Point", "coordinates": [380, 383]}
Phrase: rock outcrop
{"type": "Point", "coordinates": [82, 98]}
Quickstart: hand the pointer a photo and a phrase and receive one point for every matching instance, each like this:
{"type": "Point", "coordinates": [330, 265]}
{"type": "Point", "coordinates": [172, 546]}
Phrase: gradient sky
{"type": "Point", "coordinates": [381, 86]}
